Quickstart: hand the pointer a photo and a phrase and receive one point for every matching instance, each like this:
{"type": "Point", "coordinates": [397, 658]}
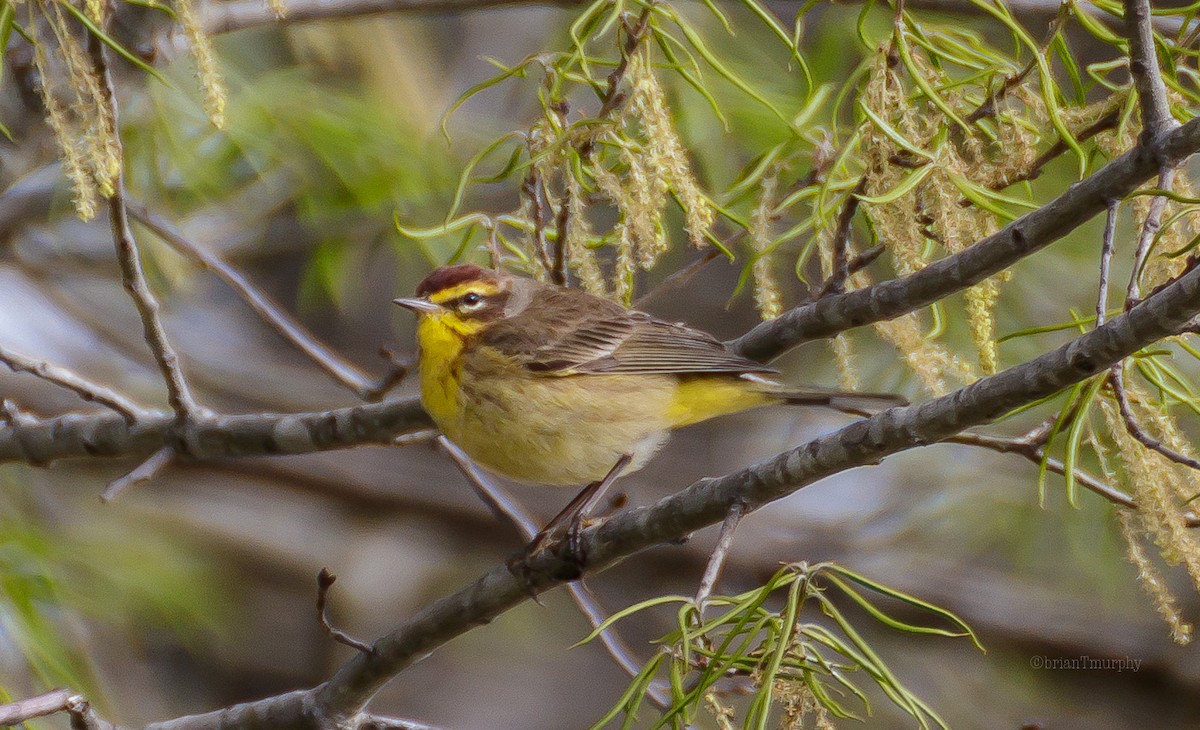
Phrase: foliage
{"type": "Point", "coordinates": [801, 666]}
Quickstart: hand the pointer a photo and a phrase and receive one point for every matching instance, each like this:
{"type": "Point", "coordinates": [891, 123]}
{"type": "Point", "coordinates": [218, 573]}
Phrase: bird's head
{"type": "Point", "coordinates": [466, 298]}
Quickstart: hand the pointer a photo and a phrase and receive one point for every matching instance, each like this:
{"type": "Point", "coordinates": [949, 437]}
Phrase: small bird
{"type": "Point", "coordinates": [550, 385]}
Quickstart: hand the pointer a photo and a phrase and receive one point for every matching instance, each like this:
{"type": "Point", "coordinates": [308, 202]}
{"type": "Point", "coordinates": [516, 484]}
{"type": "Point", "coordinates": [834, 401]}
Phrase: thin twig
{"type": "Point", "coordinates": [1117, 379]}
{"type": "Point", "coordinates": [509, 510]}
{"type": "Point", "coordinates": [15, 713]}
{"type": "Point", "coordinates": [343, 371]}
{"type": "Point", "coordinates": [1103, 124]}
{"type": "Point", "coordinates": [853, 266]}
{"type": "Point", "coordinates": [143, 472]}
{"type": "Point", "coordinates": [562, 222]}
{"type": "Point", "coordinates": [1150, 228]}
{"type": "Point", "coordinates": [678, 278]}
{"type": "Point", "coordinates": [325, 581]}
{"type": "Point", "coordinates": [81, 386]}
{"type": "Point", "coordinates": [179, 394]}
{"type": "Point", "coordinates": [532, 189]}
{"type": "Point", "coordinates": [1036, 455]}
{"type": "Point", "coordinates": [716, 561]}
{"type": "Point", "coordinates": [1147, 76]}
{"type": "Point", "coordinates": [988, 107]}
{"type": "Point", "coordinates": [1106, 254]}
{"type": "Point", "coordinates": [840, 267]}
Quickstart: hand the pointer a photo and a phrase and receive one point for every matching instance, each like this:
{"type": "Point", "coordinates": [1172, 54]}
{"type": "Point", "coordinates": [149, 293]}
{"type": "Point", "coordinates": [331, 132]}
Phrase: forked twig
{"type": "Point", "coordinates": [337, 367]}
{"type": "Point", "coordinates": [325, 581]}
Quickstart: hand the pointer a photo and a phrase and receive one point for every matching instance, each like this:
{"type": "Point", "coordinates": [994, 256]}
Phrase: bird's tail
{"type": "Point", "coordinates": [859, 404]}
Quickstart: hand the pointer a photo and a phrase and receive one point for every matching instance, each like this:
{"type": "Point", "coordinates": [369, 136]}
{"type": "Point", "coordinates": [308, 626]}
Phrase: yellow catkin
{"type": "Point", "coordinates": [96, 132]}
{"type": "Point", "coordinates": [884, 95]}
{"type": "Point", "coordinates": [766, 289]}
{"type": "Point", "coordinates": [210, 79]}
{"type": "Point", "coordinates": [1160, 485]}
{"type": "Point", "coordinates": [1151, 580]}
{"type": "Point", "coordinates": [82, 184]}
{"type": "Point", "coordinates": [277, 8]}
{"type": "Point", "coordinates": [580, 258]}
{"type": "Point", "coordinates": [981, 306]}
{"type": "Point", "coordinates": [843, 353]}
{"type": "Point", "coordinates": [843, 357]}
{"type": "Point", "coordinates": [931, 362]}
{"type": "Point", "coordinates": [665, 154]}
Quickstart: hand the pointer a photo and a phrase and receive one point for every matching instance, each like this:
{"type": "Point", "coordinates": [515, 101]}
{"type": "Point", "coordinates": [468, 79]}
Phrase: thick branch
{"type": "Point", "coordinates": [40, 441]}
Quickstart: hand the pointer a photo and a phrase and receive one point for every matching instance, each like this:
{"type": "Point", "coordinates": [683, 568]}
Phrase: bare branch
{"type": "Point", "coordinates": [40, 441]}
{"type": "Point", "coordinates": [84, 388]}
{"type": "Point", "coordinates": [1150, 228]}
{"type": "Point", "coordinates": [143, 472]}
{"type": "Point", "coordinates": [1147, 76]}
{"type": "Point", "coordinates": [678, 278]}
{"type": "Point", "coordinates": [325, 581]}
{"type": "Point", "coordinates": [1034, 452]}
{"type": "Point", "coordinates": [1117, 379]}
{"type": "Point", "coordinates": [179, 395]}
{"type": "Point", "coordinates": [83, 717]}
{"type": "Point", "coordinates": [1106, 254]}
{"type": "Point", "coordinates": [841, 241]}
{"type": "Point", "coordinates": [343, 371]}
{"type": "Point", "coordinates": [716, 561]}
{"type": "Point", "coordinates": [15, 713]}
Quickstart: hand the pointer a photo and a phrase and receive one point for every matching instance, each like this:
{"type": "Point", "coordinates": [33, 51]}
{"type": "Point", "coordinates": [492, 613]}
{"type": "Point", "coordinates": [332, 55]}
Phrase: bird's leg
{"type": "Point", "coordinates": [577, 509]}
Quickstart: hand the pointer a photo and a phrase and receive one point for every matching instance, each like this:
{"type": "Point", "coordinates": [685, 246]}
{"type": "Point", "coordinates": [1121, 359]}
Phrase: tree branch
{"type": "Point", "coordinates": [344, 372]}
{"type": "Point", "coordinates": [179, 395]}
{"type": "Point", "coordinates": [1147, 76]}
{"type": "Point", "coordinates": [81, 386]}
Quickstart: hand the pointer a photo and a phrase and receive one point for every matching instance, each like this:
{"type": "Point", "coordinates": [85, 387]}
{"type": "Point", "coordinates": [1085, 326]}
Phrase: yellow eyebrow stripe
{"type": "Point", "coordinates": [451, 293]}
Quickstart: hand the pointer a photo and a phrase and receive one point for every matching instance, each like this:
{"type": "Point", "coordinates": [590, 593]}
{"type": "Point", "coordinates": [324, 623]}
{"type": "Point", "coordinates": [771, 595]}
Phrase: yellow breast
{"type": "Point", "coordinates": [441, 369]}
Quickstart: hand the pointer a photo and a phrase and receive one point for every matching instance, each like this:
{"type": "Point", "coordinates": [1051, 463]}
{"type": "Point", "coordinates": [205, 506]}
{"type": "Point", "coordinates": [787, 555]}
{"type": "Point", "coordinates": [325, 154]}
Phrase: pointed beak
{"type": "Point", "coordinates": [420, 306]}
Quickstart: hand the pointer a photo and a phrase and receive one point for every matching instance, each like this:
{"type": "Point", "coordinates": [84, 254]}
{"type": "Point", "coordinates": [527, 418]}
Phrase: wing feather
{"type": "Point", "coordinates": [636, 343]}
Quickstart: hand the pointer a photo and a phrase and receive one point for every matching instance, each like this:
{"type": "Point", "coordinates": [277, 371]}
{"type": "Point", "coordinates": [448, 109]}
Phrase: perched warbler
{"type": "Point", "coordinates": [555, 386]}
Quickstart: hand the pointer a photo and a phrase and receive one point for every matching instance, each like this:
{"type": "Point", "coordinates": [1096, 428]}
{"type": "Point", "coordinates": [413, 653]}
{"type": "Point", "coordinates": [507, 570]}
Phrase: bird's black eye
{"type": "Point", "coordinates": [470, 301]}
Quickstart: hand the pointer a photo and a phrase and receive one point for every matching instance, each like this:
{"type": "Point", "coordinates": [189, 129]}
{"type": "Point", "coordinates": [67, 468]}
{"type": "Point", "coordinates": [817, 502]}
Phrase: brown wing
{"type": "Point", "coordinates": [605, 338]}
